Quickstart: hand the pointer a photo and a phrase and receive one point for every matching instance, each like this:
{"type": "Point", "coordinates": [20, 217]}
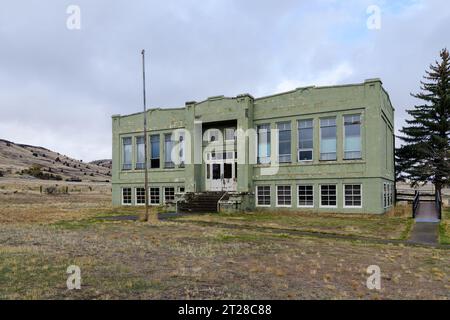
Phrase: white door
{"type": "Point", "coordinates": [220, 175]}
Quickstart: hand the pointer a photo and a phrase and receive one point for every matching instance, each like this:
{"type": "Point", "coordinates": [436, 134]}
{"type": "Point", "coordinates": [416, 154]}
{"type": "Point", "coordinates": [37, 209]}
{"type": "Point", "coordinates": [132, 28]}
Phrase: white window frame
{"type": "Point", "coordinates": [298, 141]}
{"type": "Point", "coordinates": [385, 198]}
{"type": "Point", "coordinates": [131, 196]}
{"type": "Point", "coordinates": [320, 138]}
{"type": "Point", "coordinates": [164, 192]}
{"type": "Point", "coordinates": [298, 202]}
{"type": "Point", "coordinates": [270, 197]}
{"type": "Point", "coordinates": [343, 195]}
{"type": "Point", "coordinates": [150, 196]}
{"type": "Point", "coordinates": [360, 136]}
{"type": "Point", "coordinates": [136, 196]}
{"type": "Point", "coordinates": [320, 195]}
{"type": "Point", "coordinates": [276, 194]}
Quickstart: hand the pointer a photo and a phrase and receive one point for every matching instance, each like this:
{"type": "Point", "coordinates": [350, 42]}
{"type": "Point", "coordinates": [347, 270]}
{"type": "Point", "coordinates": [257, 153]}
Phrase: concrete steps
{"type": "Point", "coordinates": [200, 202]}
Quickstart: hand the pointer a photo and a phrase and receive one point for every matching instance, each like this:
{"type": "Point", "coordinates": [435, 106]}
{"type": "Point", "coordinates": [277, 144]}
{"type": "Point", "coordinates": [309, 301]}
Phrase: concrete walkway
{"type": "Point", "coordinates": [425, 233]}
{"type": "Point", "coordinates": [427, 212]}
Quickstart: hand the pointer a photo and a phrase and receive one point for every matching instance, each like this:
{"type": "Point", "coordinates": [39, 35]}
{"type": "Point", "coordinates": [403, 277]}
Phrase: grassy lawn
{"type": "Point", "coordinates": [444, 228]}
{"type": "Point", "coordinates": [176, 259]}
{"type": "Point", "coordinates": [382, 227]}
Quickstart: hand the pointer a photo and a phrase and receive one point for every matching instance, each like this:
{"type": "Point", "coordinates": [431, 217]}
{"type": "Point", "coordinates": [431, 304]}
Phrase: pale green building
{"type": "Point", "coordinates": [317, 149]}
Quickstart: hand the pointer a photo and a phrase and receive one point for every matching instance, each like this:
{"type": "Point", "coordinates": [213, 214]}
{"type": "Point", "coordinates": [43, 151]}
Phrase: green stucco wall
{"type": "Point", "coordinates": [368, 99]}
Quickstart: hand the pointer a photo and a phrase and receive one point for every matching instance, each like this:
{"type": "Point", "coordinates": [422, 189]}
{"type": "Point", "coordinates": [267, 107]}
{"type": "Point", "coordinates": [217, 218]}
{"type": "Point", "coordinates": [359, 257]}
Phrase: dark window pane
{"type": "Point", "coordinates": [228, 169]}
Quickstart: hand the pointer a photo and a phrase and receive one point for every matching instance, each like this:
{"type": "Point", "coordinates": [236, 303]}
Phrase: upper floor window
{"type": "Point", "coordinates": [305, 140]}
{"type": "Point", "coordinates": [328, 139]}
{"type": "Point", "coordinates": [284, 142]}
{"type": "Point", "coordinates": [127, 151]}
{"type": "Point", "coordinates": [352, 134]}
{"type": "Point", "coordinates": [263, 132]}
{"type": "Point", "coordinates": [140, 153]}
{"type": "Point", "coordinates": [168, 146]}
{"type": "Point", "coordinates": [154, 151]}
{"type": "Point", "coordinates": [181, 141]}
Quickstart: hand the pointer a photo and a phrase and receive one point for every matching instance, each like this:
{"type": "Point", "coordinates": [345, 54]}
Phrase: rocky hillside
{"type": "Point", "coordinates": [40, 163]}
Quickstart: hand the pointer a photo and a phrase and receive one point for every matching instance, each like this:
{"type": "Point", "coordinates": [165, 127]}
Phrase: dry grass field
{"type": "Point", "coordinates": [41, 235]}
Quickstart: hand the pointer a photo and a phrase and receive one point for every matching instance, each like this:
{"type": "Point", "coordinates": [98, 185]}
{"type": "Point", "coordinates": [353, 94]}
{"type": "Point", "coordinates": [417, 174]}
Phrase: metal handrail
{"type": "Point", "coordinates": [416, 203]}
{"type": "Point", "coordinates": [438, 204]}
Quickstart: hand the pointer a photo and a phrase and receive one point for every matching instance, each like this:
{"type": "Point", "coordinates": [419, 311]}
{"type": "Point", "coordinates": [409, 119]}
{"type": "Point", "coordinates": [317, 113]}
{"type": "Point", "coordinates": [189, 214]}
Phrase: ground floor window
{"type": "Point", "coordinates": [284, 196]}
{"type": "Point", "coordinates": [126, 195]}
{"type": "Point", "coordinates": [305, 196]}
{"type": "Point", "coordinates": [169, 195]}
{"type": "Point", "coordinates": [263, 196]}
{"type": "Point", "coordinates": [181, 189]}
{"type": "Point", "coordinates": [328, 195]}
{"type": "Point", "coordinates": [140, 196]}
{"type": "Point", "coordinates": [388, 195]}
{"type": "Point", "coordinates": [154, 196]}
{"type": "Point", "coordinates": [352, 195]}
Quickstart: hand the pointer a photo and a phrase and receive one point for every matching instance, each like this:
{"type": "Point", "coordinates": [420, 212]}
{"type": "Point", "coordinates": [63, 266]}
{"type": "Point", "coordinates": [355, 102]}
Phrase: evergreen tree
{"type": "Point", "coordinates": [425, 155]}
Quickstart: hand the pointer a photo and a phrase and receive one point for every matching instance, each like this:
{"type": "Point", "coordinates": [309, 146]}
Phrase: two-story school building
{"type": "Point", "coordinates": [318, 149]}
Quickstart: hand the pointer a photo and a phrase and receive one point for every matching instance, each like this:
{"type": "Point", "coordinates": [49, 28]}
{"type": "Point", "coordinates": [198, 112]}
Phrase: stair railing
{"type": "Point", "coordinates": [438, 204]}
{"type": "Point", "coordinates": [416, 203]}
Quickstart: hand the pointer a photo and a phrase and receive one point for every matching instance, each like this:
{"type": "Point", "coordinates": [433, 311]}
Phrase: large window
{"type": "Point", "coordinates": [154, 151]}
{"type": "Point", "coordinates": [328, 195]}
{"type": "Point", "coordinates": [305, 140]}
{"type": "Point", "coordinates": [263, 196]}
{"type": "Point", "coordinates": [168, 146]}
{"type": "Point", "coordinates": [126, 196]}
{"type": "Point", "coordinates": [284, 142]}
{"type": "Point", "coordinates": [154, 195]}
{"type": "Point", "coordinates": [127, 151]}
{"type": "Point", "coordinates": [140, 153]}
{"type": "Point", "coordinates": [352, 140]}
{"type": "Point", "coordinates": [328, 139]}
{"type": "Point", "coordinates": [306, 196]}
{"type": "Point", "coordinates": [182, 146]}
{"type": "Point", "coordinates": [263, 143]}
{"type": "Point", "coordinates": [352, 195]}
{"type": "Point", "coordinates": [169, 195]}
{"type": "Point", "coordinates": [284, 198]}
{"type": "Point", "coordinates": [140, 196]}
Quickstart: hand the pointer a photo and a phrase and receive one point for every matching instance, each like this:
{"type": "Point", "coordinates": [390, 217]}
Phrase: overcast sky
{"type": "Point", "coordinates": [59, 87]}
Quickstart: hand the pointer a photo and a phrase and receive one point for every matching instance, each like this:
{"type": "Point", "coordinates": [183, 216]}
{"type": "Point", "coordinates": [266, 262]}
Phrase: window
{"type": "Point", "coordinates": [391, 195]}
{"type": "Point", "coordinates": [208, 171]}
{"type": "Point", "coordinates": [283, 196]}
{"type": "Point", "coordinates": [127, 153]}
{"type": "Point", "coordinates": [126, 196]}
{"type": "Point", "coordinates": [305, 140]}
{"type": "Point", "coordinates": [352, 140]}
{"type": "Point", "coordinates": [168, 146]}
{"type": "Point", "coordinates": [306, 196]}
{"type": "Point", "coordinates": [263, 196]}
{"type": "Point", "coordinates": [284, 142]}
{"type": "Point", "coordinates": [140, 153]}
{"type": "Point", "coordinates": [328, 196]}
{"type": "Point", "coordinates": [388, 195]}
{"type": "Point", "coordinates": [228, 170]}
{"type": "Point", "coordinates": [154, 150]}
{"type": "Point", "coordinates": [154, 195]}
{"type": "Point", "coordinates": [169, 195]}
{"type": "Point", "coordinates": [181, 154]}
{"type": "Point", "coordinates": [230, 134]}
{"type": "Point", "coordinates": [216, 171]}
{"type": "Point", "coordinates": [352, 195]}
{"type": "Point", "coordinates": [328, 139]}
{"type": "Point", "coordinates": [263, 132]}
{"type": "Point", "coordinates": [181, 190]}
{"type": "Point", "coordinates": [140, 196]}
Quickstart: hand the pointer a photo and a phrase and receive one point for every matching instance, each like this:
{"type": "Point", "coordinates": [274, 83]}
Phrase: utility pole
{"type": "Point", "coordinates": [145, 138]}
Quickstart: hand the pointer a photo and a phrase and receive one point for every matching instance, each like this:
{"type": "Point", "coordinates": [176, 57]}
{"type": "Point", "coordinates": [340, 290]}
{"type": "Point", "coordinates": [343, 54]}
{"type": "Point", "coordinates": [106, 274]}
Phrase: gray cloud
{"type": "Point", "coordinates": [60, 87]}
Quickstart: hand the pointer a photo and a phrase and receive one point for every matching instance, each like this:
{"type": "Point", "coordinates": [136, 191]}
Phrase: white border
{"type": "Point", "coordinates": [343, 195]}
{"type": "Point", "coordinates": [314, 198]}
{"type": "Point", "coordinates": [276, 194]}
{"type": "Point", "coordinates": [131, 196]}
{"type": "Point", "coordinates": [149, 196]}
{"type": "Point", "coordinates": [270, 196]}
{"type": "Point", "coordinates": [135, 196]}
{"type": "Point", "coordinates": [320, 196]}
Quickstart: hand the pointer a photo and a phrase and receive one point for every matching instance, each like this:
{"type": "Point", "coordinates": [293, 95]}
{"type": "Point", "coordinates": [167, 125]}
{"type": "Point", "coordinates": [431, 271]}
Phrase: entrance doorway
{"type": "Point", "coordinates": [221, 172]}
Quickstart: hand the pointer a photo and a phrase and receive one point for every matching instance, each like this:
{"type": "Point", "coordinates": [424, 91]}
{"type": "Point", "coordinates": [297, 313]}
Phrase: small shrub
{"type": "Point", "coordinates": [1, 174]}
